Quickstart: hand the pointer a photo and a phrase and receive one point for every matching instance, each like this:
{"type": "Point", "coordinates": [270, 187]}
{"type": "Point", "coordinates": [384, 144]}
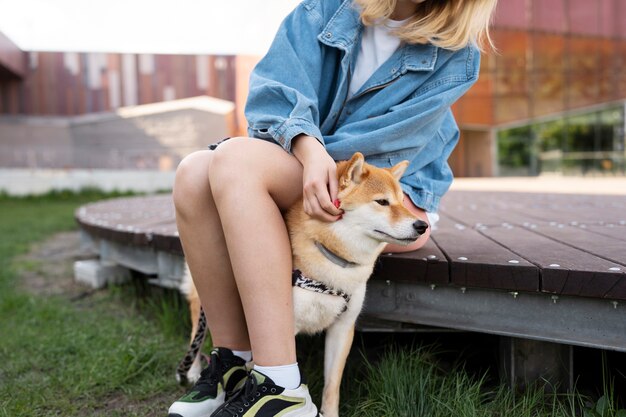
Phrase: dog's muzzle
{"type": "Point", "coordinates": [420, 226]}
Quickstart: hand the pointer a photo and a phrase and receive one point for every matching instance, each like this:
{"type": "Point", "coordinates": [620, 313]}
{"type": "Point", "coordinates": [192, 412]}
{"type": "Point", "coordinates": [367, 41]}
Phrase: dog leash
{"type": "Point", "coordinates": [194, 350]}
{"type": "Point", "coordinates": [297, 279]}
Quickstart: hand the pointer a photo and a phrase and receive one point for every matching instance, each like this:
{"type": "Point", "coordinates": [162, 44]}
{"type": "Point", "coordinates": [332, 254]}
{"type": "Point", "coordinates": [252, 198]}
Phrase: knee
{"type": "Point", "coordinates": [191, 180]}
{"type": "Point", "coordinates": [231, 164]}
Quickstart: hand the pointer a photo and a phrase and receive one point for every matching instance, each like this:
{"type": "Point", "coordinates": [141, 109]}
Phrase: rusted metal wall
{"type": "Point", "coordinates": [70, 83]}
{"type": "Point", "coordinates": [553, 56]}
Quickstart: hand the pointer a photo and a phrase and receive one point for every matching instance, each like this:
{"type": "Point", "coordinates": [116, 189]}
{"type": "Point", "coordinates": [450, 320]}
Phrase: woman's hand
{"type": "Point", "coordinates": [319, 178]}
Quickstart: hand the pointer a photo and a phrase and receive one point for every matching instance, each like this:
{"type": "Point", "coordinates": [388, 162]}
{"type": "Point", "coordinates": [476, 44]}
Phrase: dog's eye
{"type": "Point", "coordinates": [383, 202]}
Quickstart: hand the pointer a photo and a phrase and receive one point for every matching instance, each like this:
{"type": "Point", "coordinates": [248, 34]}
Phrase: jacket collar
{"type": "Point", "coordinates": [344, 30]}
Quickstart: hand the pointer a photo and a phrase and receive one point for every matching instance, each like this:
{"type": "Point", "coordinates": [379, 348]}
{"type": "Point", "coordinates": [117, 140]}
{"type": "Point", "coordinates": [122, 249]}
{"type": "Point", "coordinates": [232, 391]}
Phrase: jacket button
{"type": "Point", "coordinates": [328, 35]}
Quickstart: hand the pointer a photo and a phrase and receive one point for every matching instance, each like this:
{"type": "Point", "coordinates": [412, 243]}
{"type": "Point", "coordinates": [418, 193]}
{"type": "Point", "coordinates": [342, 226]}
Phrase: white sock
{"type": "Point", "coordinates": [286, 376]}
{"type": "Point", "coordinates": [246, 355]}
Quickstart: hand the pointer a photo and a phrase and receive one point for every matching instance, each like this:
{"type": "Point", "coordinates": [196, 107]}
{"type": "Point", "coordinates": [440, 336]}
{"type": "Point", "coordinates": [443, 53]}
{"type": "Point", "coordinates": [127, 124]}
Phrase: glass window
{"type": "Point", "coordinates": [514, 151]}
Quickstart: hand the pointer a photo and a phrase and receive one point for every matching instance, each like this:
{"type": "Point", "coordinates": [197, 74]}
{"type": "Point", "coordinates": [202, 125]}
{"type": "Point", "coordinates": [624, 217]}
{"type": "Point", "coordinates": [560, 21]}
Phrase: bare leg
{"type": "Point", "coordinates": [251, 182]}
{"type": "Point", "coordinates": [203, 242]}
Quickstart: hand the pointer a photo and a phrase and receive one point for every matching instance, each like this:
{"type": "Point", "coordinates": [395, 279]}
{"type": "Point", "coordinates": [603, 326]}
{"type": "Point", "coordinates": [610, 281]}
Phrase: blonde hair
{"type": "Point", "coordinates": [449, 24]}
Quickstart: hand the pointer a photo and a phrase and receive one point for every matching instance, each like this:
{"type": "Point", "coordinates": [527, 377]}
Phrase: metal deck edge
{"type": "Point", "coordinates": [561, 319]}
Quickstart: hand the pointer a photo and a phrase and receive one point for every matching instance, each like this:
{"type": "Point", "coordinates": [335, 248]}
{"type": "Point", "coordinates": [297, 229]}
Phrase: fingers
{"type": "Point", "coordinates": [320, 182]}
{"type": "Point", "coordinates": [333, 184]}
{"type": "Point", "coordinates": [318, 203]}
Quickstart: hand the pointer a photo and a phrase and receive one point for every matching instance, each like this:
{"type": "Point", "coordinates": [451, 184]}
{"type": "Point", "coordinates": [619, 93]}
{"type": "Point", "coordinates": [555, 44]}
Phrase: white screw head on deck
{"type": "Point", "coordinates": [615, 269]}
{"type": "Point", "coordinates": [462, 258]}
{"type": "Point", "coordinates": [432, 257]}
{"type": "Point", "coordinates": [555, 265]}
{"type": "Point", "coordinates": [513, 261]}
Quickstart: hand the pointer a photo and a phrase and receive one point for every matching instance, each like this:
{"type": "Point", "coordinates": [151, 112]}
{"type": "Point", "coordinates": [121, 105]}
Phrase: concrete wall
{"type": "Point", "coordinates": [20, 182]}
{"type": "Point", "coordinates": [134, 148]}
{"type": "Point", "coordinates": [154, 136]}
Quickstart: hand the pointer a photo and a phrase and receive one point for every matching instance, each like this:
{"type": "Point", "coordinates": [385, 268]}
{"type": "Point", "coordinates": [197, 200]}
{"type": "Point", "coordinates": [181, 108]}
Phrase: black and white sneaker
{"type": "Point", "coordinates": [225, 374]}
{"type": "Point", "coordinates": [260, 397]}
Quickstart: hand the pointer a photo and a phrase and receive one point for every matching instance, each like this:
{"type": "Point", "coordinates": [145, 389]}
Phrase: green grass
{"type": "Point", "coordinates": [114, 352]}
{"type": "Point", "coordinates": [85, 357]}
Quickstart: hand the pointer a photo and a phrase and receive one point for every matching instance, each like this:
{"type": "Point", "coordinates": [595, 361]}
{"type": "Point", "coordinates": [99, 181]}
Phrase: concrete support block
{"type": "Point", "coordinates": [171, 270]}
{"type": "Point", "coordinates": [95, 274]}
{"type": "Point", "coordinates": [526, 361]}
{"type": "Point", "coordinates": [138, 258]}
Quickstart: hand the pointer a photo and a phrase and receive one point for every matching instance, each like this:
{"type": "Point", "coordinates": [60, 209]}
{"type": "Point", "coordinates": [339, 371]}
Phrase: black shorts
{"type": "Point", "coordinates": [214, 146]}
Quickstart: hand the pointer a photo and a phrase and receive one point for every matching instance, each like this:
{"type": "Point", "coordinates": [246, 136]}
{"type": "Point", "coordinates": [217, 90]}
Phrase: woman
{"type": "Point", "coordinates": [374, 76]}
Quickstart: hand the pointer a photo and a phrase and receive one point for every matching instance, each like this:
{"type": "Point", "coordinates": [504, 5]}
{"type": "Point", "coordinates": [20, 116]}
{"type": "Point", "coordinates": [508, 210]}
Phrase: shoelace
{"type": "Point", "coordinates": [244, 398]}
{"type": "Point", "coordinates": [210, 375]}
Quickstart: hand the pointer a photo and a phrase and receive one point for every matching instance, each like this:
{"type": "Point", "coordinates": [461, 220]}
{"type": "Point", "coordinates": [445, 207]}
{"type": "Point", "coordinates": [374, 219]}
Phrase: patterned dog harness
{"type": "Point", "coordinates": [299, 280]}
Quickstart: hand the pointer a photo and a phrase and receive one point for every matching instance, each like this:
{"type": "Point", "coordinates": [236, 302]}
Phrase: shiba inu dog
{"type": "Point", "coordinates": [332, 263]}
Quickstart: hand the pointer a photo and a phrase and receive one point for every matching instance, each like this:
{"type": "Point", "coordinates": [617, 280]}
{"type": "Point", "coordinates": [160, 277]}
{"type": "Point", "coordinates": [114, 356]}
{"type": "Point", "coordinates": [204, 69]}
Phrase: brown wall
{"type": "Point", "coordinates": [68, 83]}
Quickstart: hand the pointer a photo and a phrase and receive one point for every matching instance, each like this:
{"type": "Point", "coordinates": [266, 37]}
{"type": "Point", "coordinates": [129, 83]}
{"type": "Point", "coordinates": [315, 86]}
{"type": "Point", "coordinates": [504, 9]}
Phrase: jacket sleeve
{"type": "Point", "coordinates": [283, 101]}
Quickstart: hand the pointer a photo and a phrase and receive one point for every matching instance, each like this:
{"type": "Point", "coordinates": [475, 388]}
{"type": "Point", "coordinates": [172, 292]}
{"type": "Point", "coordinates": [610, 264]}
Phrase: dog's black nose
{"type": "Point", "coordinates": [420, 226]}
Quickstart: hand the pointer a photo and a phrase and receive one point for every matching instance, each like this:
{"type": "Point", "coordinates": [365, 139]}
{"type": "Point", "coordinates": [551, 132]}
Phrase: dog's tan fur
{"type": "Point", "coordinates": [374, 215]}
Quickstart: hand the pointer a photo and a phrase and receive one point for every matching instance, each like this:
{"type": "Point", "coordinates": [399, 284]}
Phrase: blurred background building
{"type": "Point", "coordinates": [550, 100]}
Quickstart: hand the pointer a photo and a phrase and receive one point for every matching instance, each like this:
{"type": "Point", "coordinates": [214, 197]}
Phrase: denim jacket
{"type": "Point", "coordinates": [401, 113]}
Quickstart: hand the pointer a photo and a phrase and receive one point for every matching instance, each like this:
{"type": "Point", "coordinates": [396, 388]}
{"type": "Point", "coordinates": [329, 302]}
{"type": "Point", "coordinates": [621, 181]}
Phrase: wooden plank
{"type": "Point", "coordinates": [602, 246]}
{"type": "Point", "coordinates": [427, 264]}
{"type": "Point", "coordinates": [611, 230]}
{"type": "Point", "coordinates": [127, 220]}
{"type": "Point", "coordinates": [564, 269]}
{"type": "Point", "coordinates": [493, 208]}
{"type": "Point", "coordinates": [477, 209]}
{"type": "Point", "coordinates": [166, 238]}
{"type": "Point", "coordinates": [476, 261]}
{"type": "Point", "coordinates": [565, 208]}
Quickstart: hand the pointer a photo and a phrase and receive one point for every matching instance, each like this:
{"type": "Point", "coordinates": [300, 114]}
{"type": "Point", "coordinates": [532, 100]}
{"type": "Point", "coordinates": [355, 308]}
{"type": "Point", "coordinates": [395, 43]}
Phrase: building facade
{"type": "Point", "coordinates": [549, 100]}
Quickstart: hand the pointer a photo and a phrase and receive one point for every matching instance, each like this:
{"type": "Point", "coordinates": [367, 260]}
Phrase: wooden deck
{"type": "Point", "coordinates": [544, 271]}
{"type": "Point", "coordinates": [540, 266]}
{"type": "Point", "coordinates": [519, 242]}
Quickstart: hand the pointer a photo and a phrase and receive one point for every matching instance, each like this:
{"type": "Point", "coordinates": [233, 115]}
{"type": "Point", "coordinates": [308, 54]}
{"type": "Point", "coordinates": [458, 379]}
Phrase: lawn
{"type": "Point", "coordinates": [113, 352]}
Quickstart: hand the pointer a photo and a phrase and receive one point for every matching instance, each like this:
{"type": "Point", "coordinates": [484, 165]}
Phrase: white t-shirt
{"type": "Point", "coordinates": [377, 45]}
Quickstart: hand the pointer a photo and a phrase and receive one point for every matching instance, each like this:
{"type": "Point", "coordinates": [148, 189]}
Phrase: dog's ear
{"type": "Point", "coordinates": [398, 169]}
{"type": "Point", "coordinates": [355, 171]}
